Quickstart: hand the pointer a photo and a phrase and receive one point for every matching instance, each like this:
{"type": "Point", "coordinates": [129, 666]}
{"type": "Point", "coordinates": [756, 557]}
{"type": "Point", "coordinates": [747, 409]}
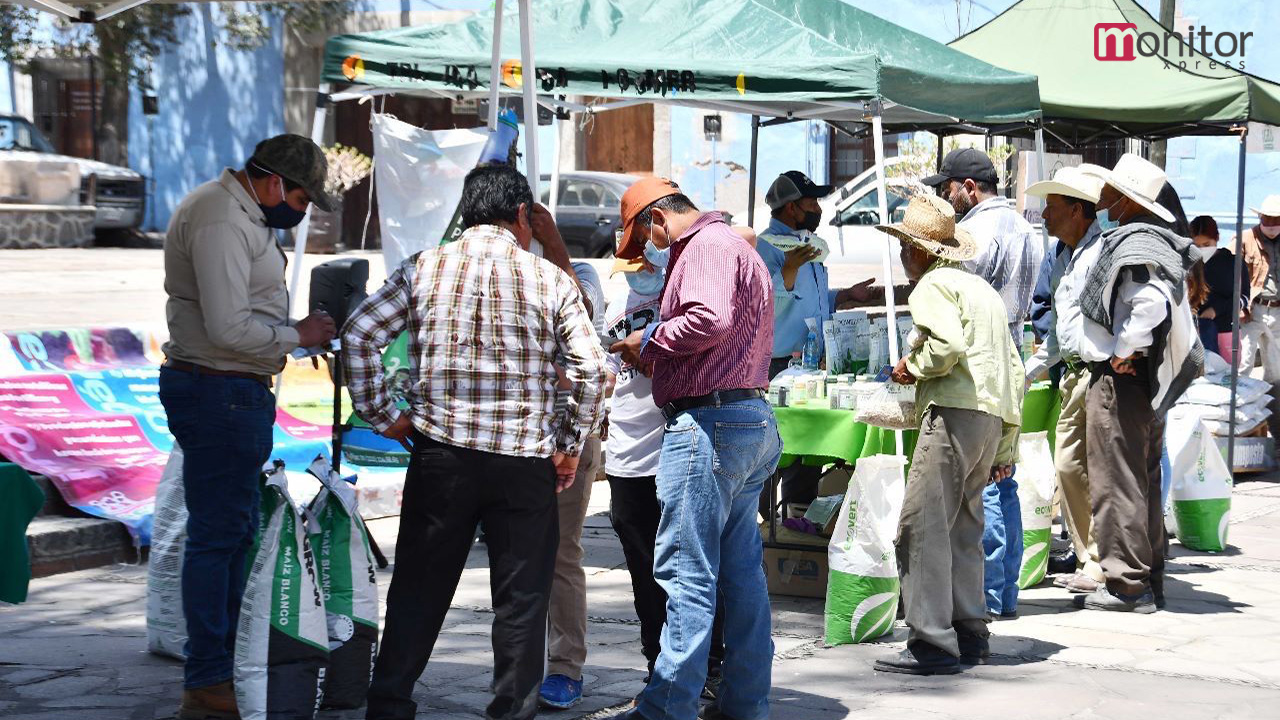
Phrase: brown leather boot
{"type": "Point", "coordinates": [215, 702]}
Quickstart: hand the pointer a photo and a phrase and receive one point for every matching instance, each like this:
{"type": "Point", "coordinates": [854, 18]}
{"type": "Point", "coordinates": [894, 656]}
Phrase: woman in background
{"type": "Point", "coordinates": [1218, 313]}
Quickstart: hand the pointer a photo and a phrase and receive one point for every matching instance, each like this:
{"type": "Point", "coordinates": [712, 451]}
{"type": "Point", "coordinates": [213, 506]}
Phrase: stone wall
{"type": "Point", "coordinates": [45, 226]}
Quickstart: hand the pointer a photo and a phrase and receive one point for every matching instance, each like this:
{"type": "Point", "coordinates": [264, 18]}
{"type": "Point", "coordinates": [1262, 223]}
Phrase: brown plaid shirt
{"type": "Point", "coordinates": [487, 323]}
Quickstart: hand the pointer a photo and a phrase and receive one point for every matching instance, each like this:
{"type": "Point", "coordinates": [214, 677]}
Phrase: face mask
{"type": "Point", "coordinates": [810, 221]}
{"type": "Point", "coordinates": [1104, 218]}
{"type": "Point", "coordinates": [281, 216]}
{"type": "Point", "coordinates": [658, 257]}
{"type": "Point", "coordinates": [1270, 231]}
{"type": "Point", "coordinates": [646, 282]}
{"type": "Point", "coordinates": [535, 248]}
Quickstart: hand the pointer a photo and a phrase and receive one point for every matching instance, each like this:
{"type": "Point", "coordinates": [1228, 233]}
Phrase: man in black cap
{"type": "Point", "coordinates": [229, 332]}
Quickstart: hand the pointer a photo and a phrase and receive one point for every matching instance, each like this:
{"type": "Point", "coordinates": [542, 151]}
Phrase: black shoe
{"type": "Point", "coordinates": [974, 649]}
{"type": "Point", "coordinates": [1063, 564]}
{"type": "Point", "coordinates": [711, 688]}
{"type": "Point", "coordinates": [1104, 599]}
{"type": "Point", "coordinates": [920, 658]}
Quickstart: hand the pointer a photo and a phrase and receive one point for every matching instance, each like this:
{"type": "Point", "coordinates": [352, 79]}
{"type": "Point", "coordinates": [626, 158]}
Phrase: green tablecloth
{"type": "Point", "coordinates": [817, 435]}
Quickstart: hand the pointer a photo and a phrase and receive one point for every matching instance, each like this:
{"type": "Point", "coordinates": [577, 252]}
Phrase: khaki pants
{"type": "Point", "coordinates": [1124, 439]}
{"type": "Point", "coordinates": [1261, 335]}
{"type": "Point", "coordinates": [567, 617]}
{"type": "Point", "coordinates": [939, 544]}
{"type": "Point", "coordinates": [1070, 462]}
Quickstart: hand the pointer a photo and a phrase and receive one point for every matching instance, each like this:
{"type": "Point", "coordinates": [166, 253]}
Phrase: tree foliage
{"type": "Point", "coordinates": [124, 46]}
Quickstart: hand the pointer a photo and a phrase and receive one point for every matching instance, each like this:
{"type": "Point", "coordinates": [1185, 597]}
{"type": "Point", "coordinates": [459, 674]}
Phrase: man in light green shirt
{"type": "Point", "coordinates": [969, 392]}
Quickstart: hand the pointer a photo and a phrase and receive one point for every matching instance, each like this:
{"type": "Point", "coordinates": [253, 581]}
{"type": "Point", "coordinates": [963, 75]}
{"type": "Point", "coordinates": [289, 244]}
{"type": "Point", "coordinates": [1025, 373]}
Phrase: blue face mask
{"type": "Point", "coordinates": [658, 257]}
{"type": "Point", "coordinates": [1104, 220]}
{"type": "Point", "coordinates": [281, 216]}
{"type": "Point", "coordinates": [646, 282]}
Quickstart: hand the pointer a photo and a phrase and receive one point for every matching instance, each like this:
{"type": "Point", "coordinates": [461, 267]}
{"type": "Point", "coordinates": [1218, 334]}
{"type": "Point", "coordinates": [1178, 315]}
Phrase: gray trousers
{"type": "Point", "coordinates": [939, 544]}
{"type": "Point", "coordinates": [1123, 447]}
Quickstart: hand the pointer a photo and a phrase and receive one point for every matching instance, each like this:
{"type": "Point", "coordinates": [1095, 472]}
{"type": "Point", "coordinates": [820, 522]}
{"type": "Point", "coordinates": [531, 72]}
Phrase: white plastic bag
{"type": "Point", "coordinates": [1200, 485]}
{"type": "Point", "coordinates": [282, 646]}
{"type": "Point", "coordinates": [863, 586]}
{"type": "Point", "coordinates": [1035, 477]}
{"type": "Point", "coordinates": [349, 585]}
{"type": "Point", "coordinates": [891, 406]}
{"type": "Point", "coordinates": [166, 623]}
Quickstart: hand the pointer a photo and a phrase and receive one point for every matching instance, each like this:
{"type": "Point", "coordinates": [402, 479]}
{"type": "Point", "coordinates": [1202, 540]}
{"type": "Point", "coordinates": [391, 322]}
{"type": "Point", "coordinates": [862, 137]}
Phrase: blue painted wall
{"type": "Point", "coordinates": [216, 103]}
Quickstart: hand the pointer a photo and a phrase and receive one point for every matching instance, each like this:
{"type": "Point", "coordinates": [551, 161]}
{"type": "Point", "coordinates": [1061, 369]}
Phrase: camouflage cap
{"type": "Point", "coordinates": [299, 160]}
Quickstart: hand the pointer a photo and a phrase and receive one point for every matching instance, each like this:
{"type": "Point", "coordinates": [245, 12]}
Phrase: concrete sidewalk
{"type": "Point", "coordinates": [77, 649]}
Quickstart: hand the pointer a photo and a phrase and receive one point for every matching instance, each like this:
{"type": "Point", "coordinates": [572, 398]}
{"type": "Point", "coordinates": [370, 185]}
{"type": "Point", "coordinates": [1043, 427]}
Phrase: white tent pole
{"type": "Point", "coordinates": [1235, 326]}
{"type": "Point", "coordinates": [495, 66]}
{"type": "Point", "coordinates": [1044, 230]}
{"type": "Point", "coordinates": [530, 73]}
{"type": "Point", "coordinates": [300, 244]}
{"type": "Point", "coordinates": [877, 129]}
{"type": "Point", "coordinates": [554, 193]}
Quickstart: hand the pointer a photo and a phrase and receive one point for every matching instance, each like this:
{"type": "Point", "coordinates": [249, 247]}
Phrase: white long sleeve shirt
{"type": "Point", "coordinates": [1140, 308]}
{"type": "Point", "coordinates": [1066, 339]}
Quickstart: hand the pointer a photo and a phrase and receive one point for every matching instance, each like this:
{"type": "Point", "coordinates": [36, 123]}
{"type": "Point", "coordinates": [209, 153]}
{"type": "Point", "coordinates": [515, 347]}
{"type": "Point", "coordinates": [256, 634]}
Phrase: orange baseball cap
{"type": "Point", "coordinates": [639, 196]}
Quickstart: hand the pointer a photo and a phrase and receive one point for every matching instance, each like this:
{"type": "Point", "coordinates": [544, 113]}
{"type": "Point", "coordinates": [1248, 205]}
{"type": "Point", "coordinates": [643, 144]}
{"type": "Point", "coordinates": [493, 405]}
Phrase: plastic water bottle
{"type": "Point", "coordinates": [796, 361]}
{"type": "Point", "coordinates": [811, 352]}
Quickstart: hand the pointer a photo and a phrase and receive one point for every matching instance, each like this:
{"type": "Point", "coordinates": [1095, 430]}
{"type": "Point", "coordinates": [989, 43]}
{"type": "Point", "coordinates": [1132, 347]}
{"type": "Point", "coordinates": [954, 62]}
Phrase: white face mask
{"type": "Point", "coordinates": [1270, 231]}
{"type": "Point", "coordinates": [535, 247]}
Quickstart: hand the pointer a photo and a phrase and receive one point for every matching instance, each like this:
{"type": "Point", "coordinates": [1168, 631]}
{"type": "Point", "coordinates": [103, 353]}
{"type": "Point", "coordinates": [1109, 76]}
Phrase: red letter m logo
{"type": "Point", "coordinates": [1115, 41]}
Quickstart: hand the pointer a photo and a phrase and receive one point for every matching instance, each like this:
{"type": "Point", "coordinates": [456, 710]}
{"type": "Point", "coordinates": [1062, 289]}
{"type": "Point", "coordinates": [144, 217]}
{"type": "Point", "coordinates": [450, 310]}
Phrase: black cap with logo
{"type": "Point", "coordinates": [964, 164]}
{"type": "Point", "coordinates": [298, 160]}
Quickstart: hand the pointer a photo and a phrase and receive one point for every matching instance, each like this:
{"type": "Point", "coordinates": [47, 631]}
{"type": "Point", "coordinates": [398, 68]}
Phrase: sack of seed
{"type": "Point", "coordinates": [890, 406]}
{"type": "Point", "coordinates": [282, 647]}
{"type": "Point", "coordinates": [349, 586]}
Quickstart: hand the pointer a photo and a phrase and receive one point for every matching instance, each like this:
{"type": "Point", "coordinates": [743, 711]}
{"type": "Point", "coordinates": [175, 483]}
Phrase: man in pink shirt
{"type": "Point", "coordinates": [709, 358]}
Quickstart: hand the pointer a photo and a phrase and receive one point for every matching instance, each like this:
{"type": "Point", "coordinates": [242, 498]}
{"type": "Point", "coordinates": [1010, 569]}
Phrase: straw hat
{"type": "Point", "coordinates": [1071, 182]}
{"type": "Point", "coordinates": [930, 224]}
{"type": "Point", "coordinates": [1141, 182]}
{"type": "Point", "coordinates": [1270, 207]}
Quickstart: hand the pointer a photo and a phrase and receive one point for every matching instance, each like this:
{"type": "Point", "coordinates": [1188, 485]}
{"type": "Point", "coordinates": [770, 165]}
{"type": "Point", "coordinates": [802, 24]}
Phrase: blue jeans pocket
{"type": "Point", "coordinates": [738, 447]}
{"type": "Point", "coordinates": [248, 396]}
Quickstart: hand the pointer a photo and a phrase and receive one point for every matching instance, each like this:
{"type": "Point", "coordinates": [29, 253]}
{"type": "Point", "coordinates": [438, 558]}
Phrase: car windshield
{"type": "Point", "coordinates": [18, 134]}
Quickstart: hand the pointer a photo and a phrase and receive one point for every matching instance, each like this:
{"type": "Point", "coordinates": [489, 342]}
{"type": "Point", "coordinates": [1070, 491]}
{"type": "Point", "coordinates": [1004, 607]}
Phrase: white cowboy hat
{"type": "Point", "coordinates": [1141, 182]}
{"type": "Point", "coordinates": [1071, 182]}
{"type": "Point", "coordinates": [1270, 206]}
{"type": "Point", "coordinates": [930, 224]}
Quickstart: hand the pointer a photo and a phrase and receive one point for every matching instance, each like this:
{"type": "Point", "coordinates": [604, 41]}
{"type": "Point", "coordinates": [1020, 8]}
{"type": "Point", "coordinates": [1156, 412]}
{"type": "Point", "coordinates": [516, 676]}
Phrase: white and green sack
{"type": "Point", "coordinates": [1200, 485]}
{"type": "Point", "coordinates": [282, 648]}
{"type": "Point", "coordinates": [863, 586]}
{"type": "Point", "coordinates": [846, 338]}
{"type": "Point", "coordinates": [1036, 478]}
{"type": "Point", "coordinates": [349, 586]}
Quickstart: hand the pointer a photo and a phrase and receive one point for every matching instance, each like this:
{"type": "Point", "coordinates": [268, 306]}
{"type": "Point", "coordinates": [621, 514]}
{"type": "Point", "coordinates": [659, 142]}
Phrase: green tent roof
{"type": "Point", "coordinates": [1086, 99]}
{"type": "Point", "coordinates": [819, 59]}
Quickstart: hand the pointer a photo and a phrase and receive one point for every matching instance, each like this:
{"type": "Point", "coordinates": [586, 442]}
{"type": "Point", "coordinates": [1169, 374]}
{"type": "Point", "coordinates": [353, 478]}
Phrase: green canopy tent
{"type": "Point", "coordinates": [780, 59]}
{"type": "Point", "coordinates": [1166, 89]}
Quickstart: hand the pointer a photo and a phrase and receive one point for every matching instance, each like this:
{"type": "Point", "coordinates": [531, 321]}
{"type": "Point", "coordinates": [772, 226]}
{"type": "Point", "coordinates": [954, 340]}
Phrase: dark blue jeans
{"type": "Point", "coordinates": [224, 427]}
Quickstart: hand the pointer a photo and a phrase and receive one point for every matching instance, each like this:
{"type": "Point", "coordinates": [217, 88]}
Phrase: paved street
{"type": "Point", "coordinates": [76, 650]}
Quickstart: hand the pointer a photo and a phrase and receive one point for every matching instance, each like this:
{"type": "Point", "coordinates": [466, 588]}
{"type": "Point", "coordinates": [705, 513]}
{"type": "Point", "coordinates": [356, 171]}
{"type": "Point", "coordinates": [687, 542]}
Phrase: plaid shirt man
{"type": "Point", "coordinates": [487, 322]}
{"type": "Point", "coordinates": [1009, 255]}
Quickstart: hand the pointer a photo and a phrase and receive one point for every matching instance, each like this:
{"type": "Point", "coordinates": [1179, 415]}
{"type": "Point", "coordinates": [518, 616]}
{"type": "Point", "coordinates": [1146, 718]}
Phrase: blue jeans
{"type": "Point", "coordinates": [715, 460]}
{"type": "Point", "coordinates": [1002, 546]}
{"type": "Point", "coordinates": [224, 426]}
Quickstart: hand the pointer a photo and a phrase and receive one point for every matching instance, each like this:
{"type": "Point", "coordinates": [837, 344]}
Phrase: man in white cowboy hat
{"type": "Point", "coordinates": [1260, 331]}
{"type": "Point", "coordinates": [970, 386]}
{"type": "Point", "coordinates": [1070, 215]}
{"type": "Point", "coordinates": [1142, 344]}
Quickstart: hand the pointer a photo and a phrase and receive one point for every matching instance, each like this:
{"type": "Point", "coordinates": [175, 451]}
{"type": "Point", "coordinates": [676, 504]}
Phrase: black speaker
{"type": "Point", "coordinates": [338, 286]}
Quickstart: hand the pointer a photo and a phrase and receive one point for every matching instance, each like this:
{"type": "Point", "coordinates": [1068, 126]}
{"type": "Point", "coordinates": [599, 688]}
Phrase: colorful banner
{"type": "Point", "coordinates": [82, 407]}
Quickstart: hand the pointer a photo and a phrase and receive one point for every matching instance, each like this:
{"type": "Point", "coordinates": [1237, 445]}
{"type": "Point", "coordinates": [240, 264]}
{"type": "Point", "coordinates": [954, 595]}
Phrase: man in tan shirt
{"type": "Point", "coordinates": [229, 332]}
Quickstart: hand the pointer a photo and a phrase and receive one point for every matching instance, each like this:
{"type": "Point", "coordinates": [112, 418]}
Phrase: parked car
{"type": "Point", "coordinates": [118, 193]}
{"type": "Point", "coordinates": [588, 210]}
{"type": "Point", "coordinates": [851, 213]}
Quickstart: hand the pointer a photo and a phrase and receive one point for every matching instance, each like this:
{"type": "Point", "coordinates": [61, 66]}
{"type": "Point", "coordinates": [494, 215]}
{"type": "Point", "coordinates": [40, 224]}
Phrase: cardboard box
{"type": "Point", "coordinates": [802, 573]}
{"type": "Point", "coordinates": [1253, 454]}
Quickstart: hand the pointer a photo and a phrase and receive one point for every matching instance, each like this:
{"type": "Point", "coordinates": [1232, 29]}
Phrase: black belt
{"type": "Point", "coordinates": [194, 369]}
{"type": "Point", "coordinates": [717, 398]}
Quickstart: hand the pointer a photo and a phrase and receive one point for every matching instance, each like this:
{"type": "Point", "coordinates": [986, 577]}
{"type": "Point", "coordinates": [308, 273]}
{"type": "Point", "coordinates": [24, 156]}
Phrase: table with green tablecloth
{"type": "Point", "coordinates": [816, 435]}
